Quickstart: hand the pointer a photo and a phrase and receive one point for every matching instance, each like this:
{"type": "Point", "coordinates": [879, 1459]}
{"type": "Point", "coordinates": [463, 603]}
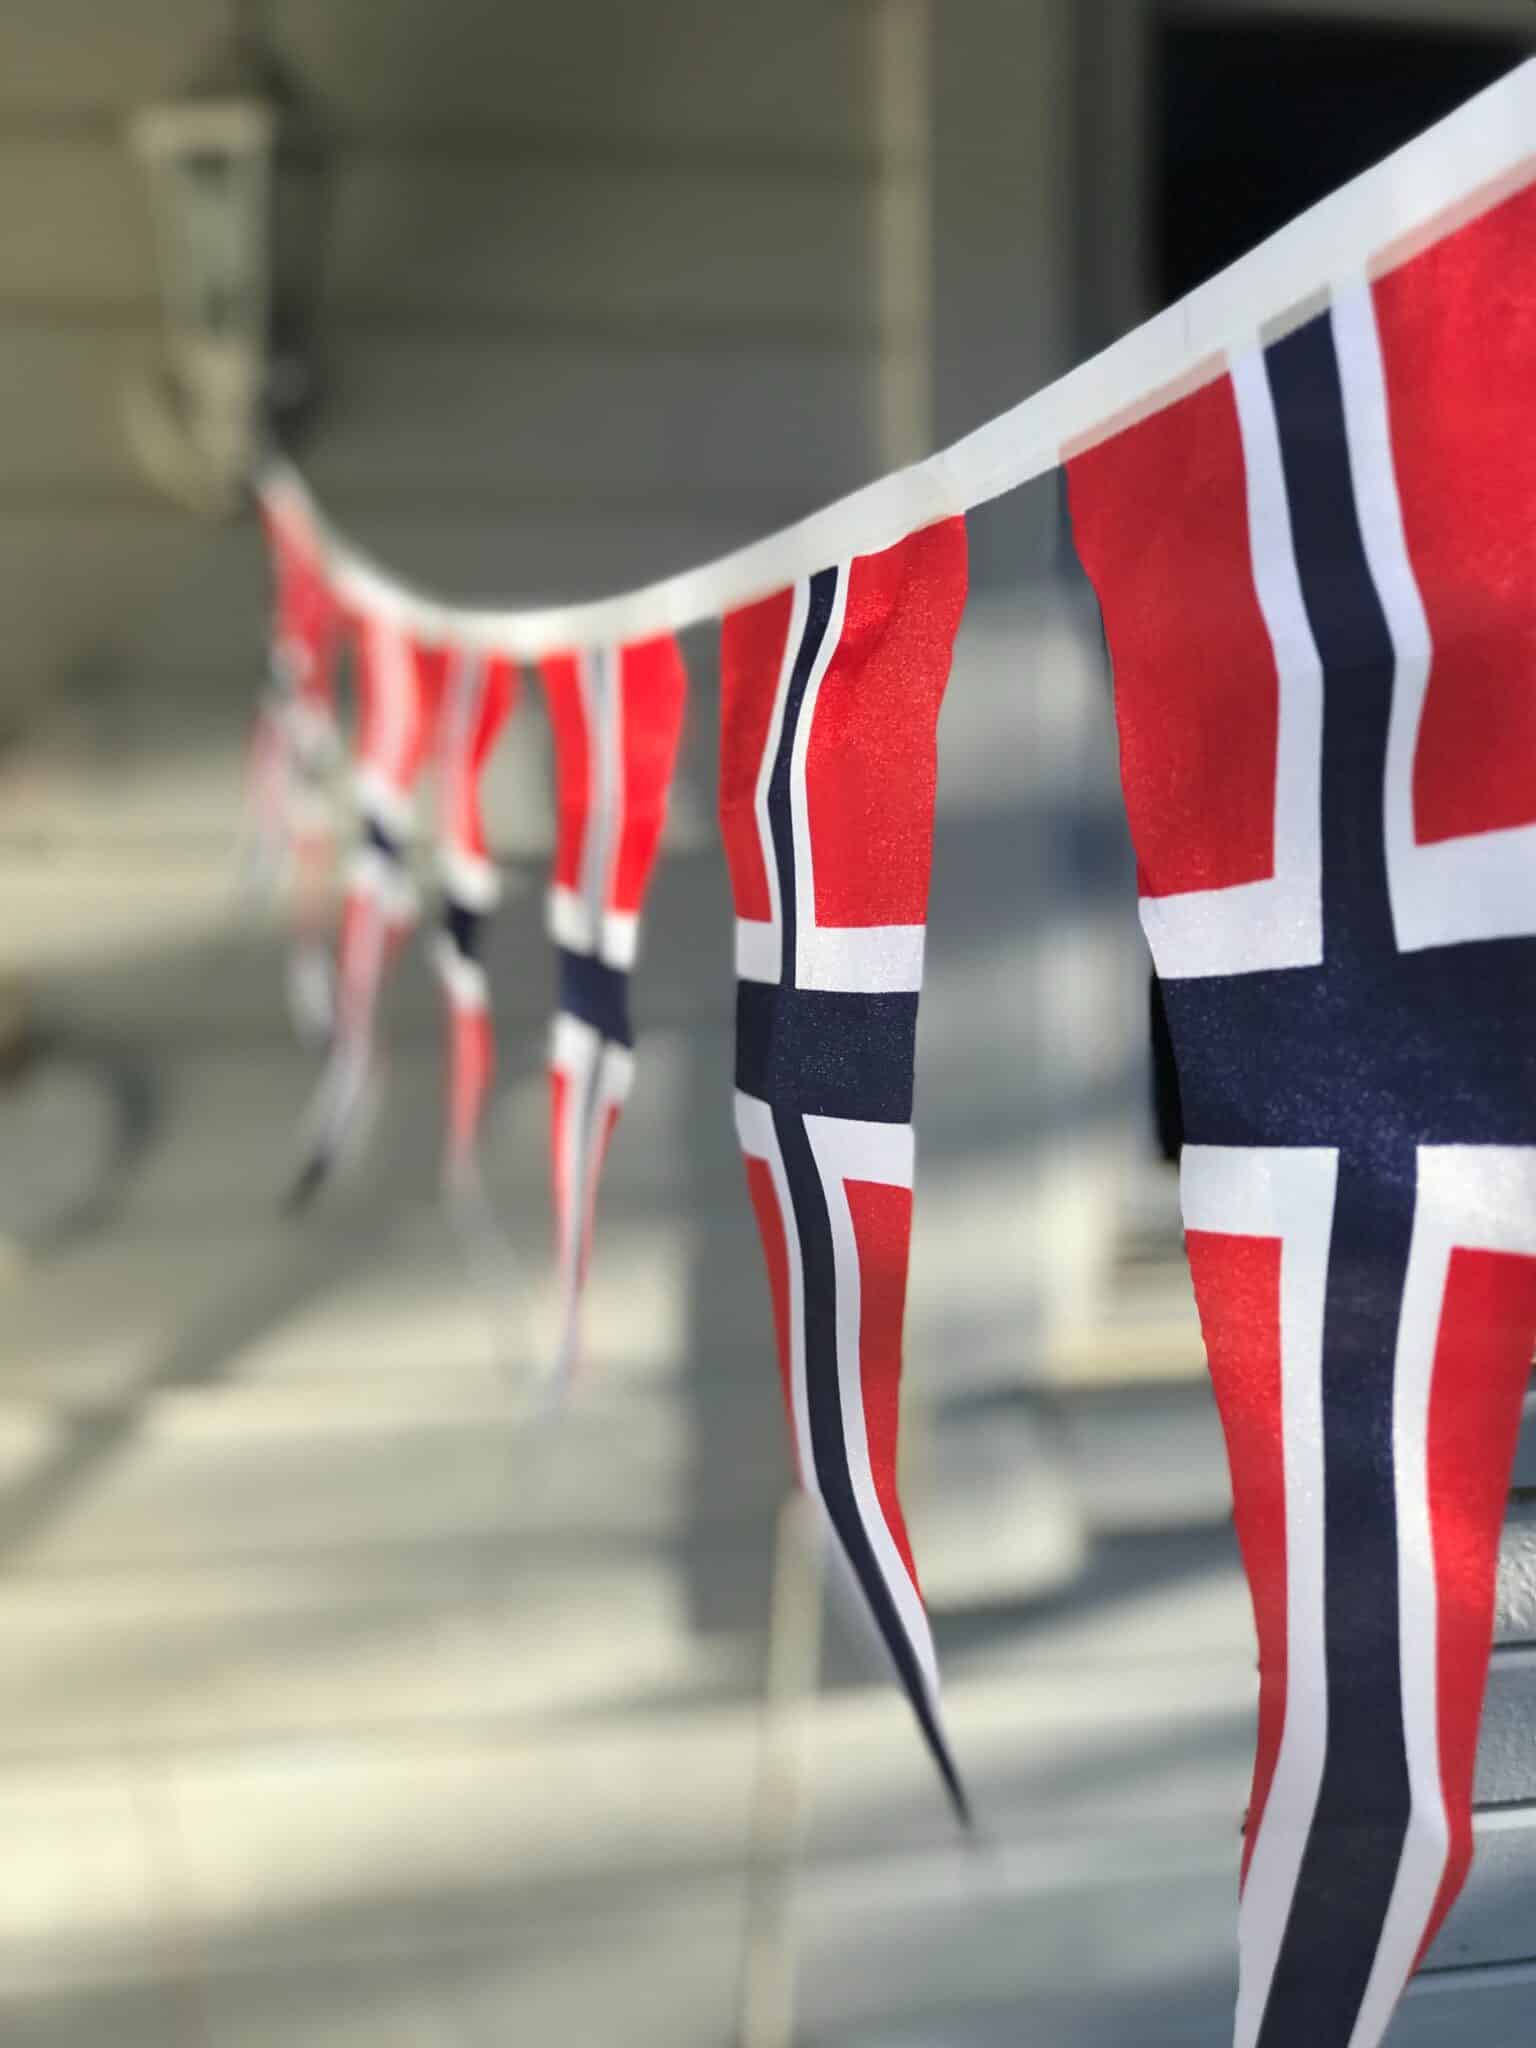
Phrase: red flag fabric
{"type": "Point", "coordinates": [830, 702]}
{"type": "Point", "coordinates": [1313, 563]}
{"type": "Point", "coordinates": [617, 716]}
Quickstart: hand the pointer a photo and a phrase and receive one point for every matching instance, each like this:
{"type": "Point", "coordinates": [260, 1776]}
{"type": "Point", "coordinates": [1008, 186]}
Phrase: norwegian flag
{"type": "Point", "coordinates": [1315, 569]}
{"type": "Point", "coordinates": [421, 703]}
{"type": "Point", "coordinates": [294, 747]}
{"type": "Point", "coordinates": [830, 703]}
{"type": "Point", "coordinates": [400, 685]}
{"type": "Point", "coordinates": [479, 697]}
{"type": "Point", "coordinates": [617, 715]}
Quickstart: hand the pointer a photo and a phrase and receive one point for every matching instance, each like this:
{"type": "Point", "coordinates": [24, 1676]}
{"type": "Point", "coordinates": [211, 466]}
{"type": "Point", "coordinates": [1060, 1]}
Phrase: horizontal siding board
{"type": "Point", "coordinates": [597, 243]}
{"type": "Point", "coordinates": [61, 406]}
{"type": "Point", "coordinates": [483, 415]}
{"type": "Point", "coordinates": [785, 79]}
{"type": "Point", "coordinates": [1489, 2008]}
{"type": "Point", "coordinates": [90, 603]}
{"type": "Point", "coordinates": [598, 306]}
{"type": "Point", "coordinates": [1494, 1920]}
{"type": "Point", "coordinates": [63, 56]}
{"type": "Point", "coordinates": [1506, 1754]}
{"type": "Point", "coordinates": [1517, 1574]}
{"type": "Point", "coordinates": [74, 222]}
{"type": "Point", "coordinates": [1525, 1454]}
{"type": "Point", "coordinates": [104, 607]}
{"type": "Point", "coordinates": [606, 243]}
{"type": "Point", "coordinates": [575, 418]}
{"type": "Point", "coordinates": [546, 557]}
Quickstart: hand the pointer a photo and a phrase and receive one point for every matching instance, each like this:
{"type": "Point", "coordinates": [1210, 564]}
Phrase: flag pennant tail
{"type": "Point", "coordinates": [376, 919]}
{"type": "Point", "coordinates": [309, 984]}
{"type": "Point", "coordinates": [400, 687]}
{"type": "Point", "coordinates": [264, 838]}
{"type": "Point", "coordinates": [313, 836]}
{"type": "Point", "coordinates": [830, 701]}
{"type": "Point", "coordinates": [589, 1080]}
{"type": "Point", "coordinates": [1322, 688]}
{"type": "Point", "coordinates": [479, 696]}
{"type": "Point", "coordinates": [295, 751]}
{"type": "Point", "coordinates": [617, 717]}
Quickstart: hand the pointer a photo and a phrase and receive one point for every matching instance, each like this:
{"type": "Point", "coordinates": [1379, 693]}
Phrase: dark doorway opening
{"type": "Point", "coordinates": [1257, 116]}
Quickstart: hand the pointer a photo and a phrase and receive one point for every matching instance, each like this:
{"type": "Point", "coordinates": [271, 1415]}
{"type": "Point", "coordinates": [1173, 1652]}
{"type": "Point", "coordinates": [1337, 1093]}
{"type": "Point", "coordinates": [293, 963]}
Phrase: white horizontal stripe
{"type": "Point", "coordinates": [618, 1072]}
{"type": "Point", "coordinates": [1482, 1196]}
{"type": "Point", "coordinates": [380, 799]}
{"type": "Point", "coordinates": [1242, 930]}
{"type": "Point", "coordinates": [468, 877]}
{"type": "Point", "coordinates": [376, 875]}
{"type": "Point", "coordinates": [572, 1045]}
{"type": "Point", "coordinates": [569, 920]}
{"type": "Point", "coordinates": [1484, 143]}
{"type": "Point", "coordinates": [621, 938]}
{"type": "Point", "coordinates": [863, 1151]}
{"type": "Point", "coordinates": [754, 1126]}
{"type": "Point", "coordinates": [1480, 887]}
{"type": "Point", "coordinates": [881, 959]}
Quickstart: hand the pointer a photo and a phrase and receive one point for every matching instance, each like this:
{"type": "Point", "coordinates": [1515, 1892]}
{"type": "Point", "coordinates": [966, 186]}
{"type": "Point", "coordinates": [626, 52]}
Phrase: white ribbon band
{"type": "Point", "coordinates": [1466, 163]}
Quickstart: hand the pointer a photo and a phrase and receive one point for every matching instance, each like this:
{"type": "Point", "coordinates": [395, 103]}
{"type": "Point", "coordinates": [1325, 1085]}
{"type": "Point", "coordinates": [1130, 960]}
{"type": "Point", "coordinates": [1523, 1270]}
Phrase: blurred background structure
{"type": "Point", "coordinates": [343, 1700]}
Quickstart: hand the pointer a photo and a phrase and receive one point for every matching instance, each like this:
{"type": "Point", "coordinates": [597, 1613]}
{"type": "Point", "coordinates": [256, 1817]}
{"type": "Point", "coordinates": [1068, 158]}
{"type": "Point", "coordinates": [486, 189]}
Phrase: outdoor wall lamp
{"type": "Point", "coordinates": [238, 171]}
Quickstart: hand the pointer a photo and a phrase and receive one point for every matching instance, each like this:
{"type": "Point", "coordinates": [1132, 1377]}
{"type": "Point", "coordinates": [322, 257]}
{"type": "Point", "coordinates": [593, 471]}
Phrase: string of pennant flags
{"type": "Point", "coordinates": [1306, 499]}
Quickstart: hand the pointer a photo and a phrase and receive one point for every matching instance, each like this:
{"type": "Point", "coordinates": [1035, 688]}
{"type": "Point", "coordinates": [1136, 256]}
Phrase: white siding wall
{"type": "Point", "coordinates": [600, 296]}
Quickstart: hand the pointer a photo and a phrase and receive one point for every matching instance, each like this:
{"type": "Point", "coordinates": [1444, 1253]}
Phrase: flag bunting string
{"type": "Point", "coordinates": [1306, 500]}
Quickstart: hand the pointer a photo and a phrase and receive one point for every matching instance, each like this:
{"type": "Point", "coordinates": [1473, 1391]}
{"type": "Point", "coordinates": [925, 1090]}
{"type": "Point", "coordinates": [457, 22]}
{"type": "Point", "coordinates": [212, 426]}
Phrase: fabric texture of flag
{"type": "Point", "coordinates": [830, 701]}
{"type": "Point", "coordinates": [1314, 565]}
{"type": "Point", "coordinates": [617, 717]}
